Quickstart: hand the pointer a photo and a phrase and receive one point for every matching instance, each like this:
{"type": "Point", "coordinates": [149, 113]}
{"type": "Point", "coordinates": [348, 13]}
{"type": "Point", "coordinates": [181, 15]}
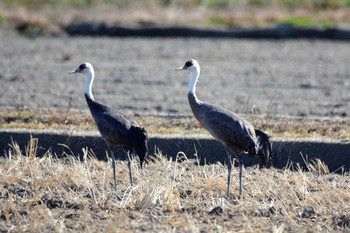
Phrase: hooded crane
{"type": "Point", "coordinates": [116, 128]}
{"type": "Point", "coordinates": [235, 133]}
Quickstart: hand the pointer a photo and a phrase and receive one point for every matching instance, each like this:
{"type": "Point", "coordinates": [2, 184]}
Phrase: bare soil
{"type": "Point", "coordinates": [296, 78]}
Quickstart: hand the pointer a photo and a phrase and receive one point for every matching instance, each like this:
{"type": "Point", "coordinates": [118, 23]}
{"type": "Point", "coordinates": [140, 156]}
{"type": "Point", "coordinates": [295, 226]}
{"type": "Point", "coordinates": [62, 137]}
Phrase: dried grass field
{"type": "Point", "coordinates": [66, 195]}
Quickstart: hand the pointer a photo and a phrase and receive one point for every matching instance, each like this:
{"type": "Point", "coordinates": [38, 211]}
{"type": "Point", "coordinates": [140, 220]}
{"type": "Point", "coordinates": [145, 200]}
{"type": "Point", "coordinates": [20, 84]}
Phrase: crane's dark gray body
{"type": "Point", "coordinates": [234, 132]}
{"type": "Point", "coordinates": [118, 129]}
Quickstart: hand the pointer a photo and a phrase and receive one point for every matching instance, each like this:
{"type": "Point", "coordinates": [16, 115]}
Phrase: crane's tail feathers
{"type": "Point", "coordinates": [139, 140]}
{"type": "Point", "coordinates": [265, 148]}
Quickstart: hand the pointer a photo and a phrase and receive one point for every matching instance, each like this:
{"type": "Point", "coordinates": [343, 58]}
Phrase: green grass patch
{"type": "Point", "coordinates": [2, 18]}
{"type": "Point", "coordinates": [299, 21]}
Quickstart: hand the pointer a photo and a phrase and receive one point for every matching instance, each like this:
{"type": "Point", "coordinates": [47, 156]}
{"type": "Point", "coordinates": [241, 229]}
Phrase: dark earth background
{"type": "Point", "coordinates": [279, 77]}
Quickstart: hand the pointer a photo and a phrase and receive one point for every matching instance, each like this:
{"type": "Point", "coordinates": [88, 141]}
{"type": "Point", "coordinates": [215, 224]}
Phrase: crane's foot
{"type": "Point", "coordinates": [117, 197]}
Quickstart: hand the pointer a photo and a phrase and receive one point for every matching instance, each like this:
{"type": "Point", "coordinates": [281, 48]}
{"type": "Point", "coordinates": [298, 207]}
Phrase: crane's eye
{"type": "Point", "coordinates": [82, 66]}
{"type": "Point", "coordinates": [188, 64]}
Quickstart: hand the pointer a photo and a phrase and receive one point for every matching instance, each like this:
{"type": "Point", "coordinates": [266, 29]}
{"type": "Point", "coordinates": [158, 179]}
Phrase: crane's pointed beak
{"type": "Point", "coordinates": [74, 72]}
{"type": "Point", "coordinates": [180, 68]}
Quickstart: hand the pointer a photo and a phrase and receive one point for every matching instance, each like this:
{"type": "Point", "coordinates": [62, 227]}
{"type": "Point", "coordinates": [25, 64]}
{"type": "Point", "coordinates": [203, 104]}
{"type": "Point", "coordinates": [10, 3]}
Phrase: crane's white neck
{"type": "Point", "coordinates": [88, 84]}
{"type": "Point", "coordinates": [193, 81]}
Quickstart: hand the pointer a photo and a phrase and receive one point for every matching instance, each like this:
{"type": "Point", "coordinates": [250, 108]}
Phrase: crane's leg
{"type": "Point", "coordinates": [229, 169]}
{"type": "Point", "coordinates": [129, 166]}
{"type": "Point", "coordinates": [113, 166]}
{"type": "Point", "coordinates": [240, 165]}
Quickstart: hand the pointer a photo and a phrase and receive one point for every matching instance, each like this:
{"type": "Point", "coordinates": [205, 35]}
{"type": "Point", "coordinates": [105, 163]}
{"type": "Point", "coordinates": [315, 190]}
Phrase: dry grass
{"type": "Point", "coordinates": [334, 128]}
{"type": "Point", "coordinates": [66, 195]}
{"type": "Point", "coordinates": [48, 19]}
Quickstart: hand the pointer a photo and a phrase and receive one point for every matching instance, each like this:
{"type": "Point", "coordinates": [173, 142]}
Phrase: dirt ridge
{"type": "Point", "coordinates": [286, 152]}
{"type": "Point", "coordinates": [283, 31]}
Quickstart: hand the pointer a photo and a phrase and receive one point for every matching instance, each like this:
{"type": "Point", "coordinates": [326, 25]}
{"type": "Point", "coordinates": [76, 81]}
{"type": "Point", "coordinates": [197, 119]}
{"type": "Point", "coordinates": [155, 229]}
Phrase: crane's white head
{"type": "Point", "coordinates": [85, 68]}
{"type": "Point", "coordinates": [191, 65]}
{"type": "Point", "coordinates": [88, 70]}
